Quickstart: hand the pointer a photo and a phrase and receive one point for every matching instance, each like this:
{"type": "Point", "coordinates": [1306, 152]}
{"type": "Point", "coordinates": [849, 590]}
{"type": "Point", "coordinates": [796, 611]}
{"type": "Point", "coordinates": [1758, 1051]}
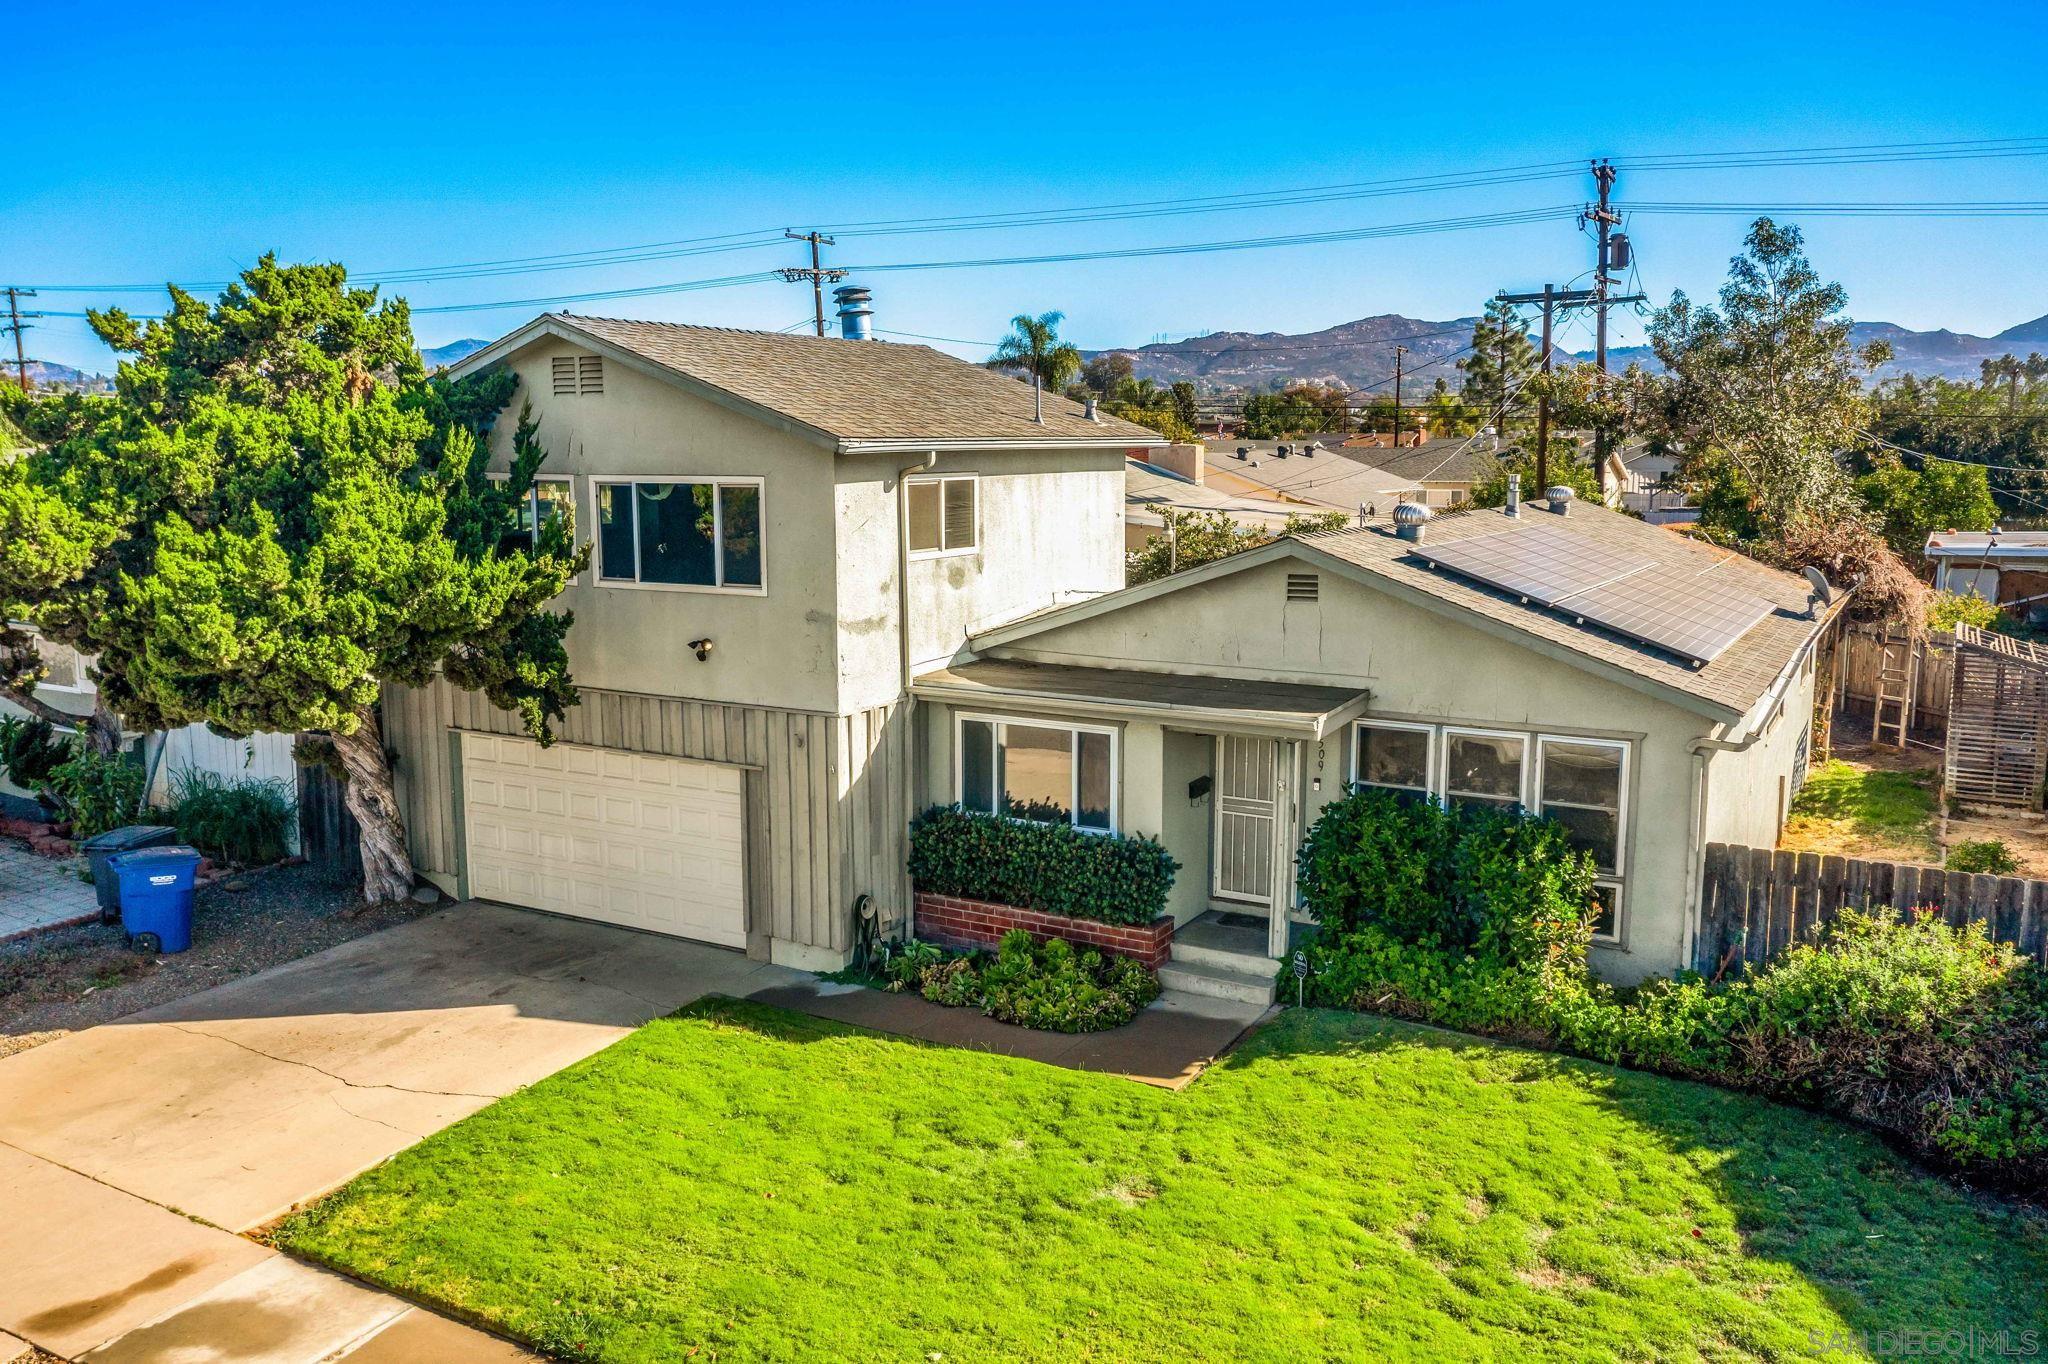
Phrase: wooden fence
{"type": "Point", "coordinates": [1935, 675]}
{"type": "Point", "coordinates": [328, 833]}
{"type": "Point", "coordinates": [1756, 902]}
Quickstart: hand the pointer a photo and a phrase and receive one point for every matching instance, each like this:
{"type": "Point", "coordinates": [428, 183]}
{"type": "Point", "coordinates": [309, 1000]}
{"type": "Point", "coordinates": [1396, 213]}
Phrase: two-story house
{"type": "Point", "coordinates": [785, 530]}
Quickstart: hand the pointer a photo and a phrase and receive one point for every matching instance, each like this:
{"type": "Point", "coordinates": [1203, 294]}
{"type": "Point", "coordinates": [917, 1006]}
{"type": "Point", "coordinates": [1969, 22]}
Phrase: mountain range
{"type": "Point", "coordinates": [1360, 355]}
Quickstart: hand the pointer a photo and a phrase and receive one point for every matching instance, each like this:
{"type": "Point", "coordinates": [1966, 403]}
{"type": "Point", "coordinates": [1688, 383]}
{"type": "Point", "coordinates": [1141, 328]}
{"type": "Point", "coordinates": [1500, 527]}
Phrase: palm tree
{"type": "Point", "coordinates": [1034, 346]}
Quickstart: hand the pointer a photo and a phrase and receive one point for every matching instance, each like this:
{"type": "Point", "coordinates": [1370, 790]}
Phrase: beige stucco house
{"type": "Point", "coordinates": [836, 582]}
{"type": "Point", "coordinates": [785, 529]}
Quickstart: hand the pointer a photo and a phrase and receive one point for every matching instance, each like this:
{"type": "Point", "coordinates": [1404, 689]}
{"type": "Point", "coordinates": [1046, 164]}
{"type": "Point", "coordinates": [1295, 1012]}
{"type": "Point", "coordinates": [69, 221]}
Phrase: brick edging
{"type": "Point", "coordinates": [958, 922]}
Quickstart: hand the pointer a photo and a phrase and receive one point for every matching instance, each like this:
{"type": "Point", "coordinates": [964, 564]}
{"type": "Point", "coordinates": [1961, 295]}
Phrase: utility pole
{"type": "Point", "coordinates": [16, 325]}
{"type": "Point", "coordinates": [1399, 351]}
{"type": "Point", "coordinates": [1551, 299]}
{"type": "Point", "coordinates": [818, 275]}
{"type": "Point", "coordinates": [1604, 220]}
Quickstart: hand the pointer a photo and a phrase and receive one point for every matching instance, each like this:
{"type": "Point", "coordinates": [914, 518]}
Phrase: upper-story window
{"type": "Point", "coordinates": [550, 496]}
{"type": "Point", "coordinates": [943, 513]}
{"type": "Point", "coordinates": [703, 533]}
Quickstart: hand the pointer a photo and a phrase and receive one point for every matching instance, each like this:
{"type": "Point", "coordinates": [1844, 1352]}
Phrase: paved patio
{"type": "Point", "coordinates": [40, 892]}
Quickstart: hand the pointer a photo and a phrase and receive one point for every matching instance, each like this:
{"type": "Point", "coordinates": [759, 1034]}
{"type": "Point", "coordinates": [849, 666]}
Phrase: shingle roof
{"type": "Point", "coordinates": [1148, 489]}
{"type": "Point", "coordinates": [859, 390]}
{"type": "Point", "coordinates": [1735, 679]}
{"type": "Point", "coordinates": [1437, 461]}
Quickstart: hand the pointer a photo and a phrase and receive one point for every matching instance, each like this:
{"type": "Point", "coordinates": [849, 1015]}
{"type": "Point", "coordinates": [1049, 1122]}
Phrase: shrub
{"type": "Point", "coordinates": [1501, 882]}
{"type": "Point", "coordinates": [1050, 986]}
{"type": "Point", "coordinates": [1947, 610]}
{"type": "Point", "coordinates": [1988, 855]}
{"type": "Point", "coordinates": [245, 821]}
{"type": "Point", "coordinates": [30, 751]}
{"type": "Point", "coordinates": [1935, 1034]}
{"type": "Point", "coordinates": [98, 791]}
{"type": "Point", "coordinates": [1111, 878]}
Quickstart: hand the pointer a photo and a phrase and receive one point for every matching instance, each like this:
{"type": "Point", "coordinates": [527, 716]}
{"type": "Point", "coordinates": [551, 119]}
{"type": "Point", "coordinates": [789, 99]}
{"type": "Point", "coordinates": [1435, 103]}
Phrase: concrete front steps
{"type": "Point", "coordinates": [1198, 968]}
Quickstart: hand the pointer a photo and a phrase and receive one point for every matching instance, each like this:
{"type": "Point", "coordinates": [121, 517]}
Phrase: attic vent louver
{"type": "Point", "coordinates": [574, 374]}
{"type": "Point", "coordinates": [1303, 586]}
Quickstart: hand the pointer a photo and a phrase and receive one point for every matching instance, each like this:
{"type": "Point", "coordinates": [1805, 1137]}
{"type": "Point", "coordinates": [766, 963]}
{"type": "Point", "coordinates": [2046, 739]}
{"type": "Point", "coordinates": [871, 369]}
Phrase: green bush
{"type": "Point", "coordinates": [98, 791]}
{"type": "Point", "coordinates": [1988, 855]}
{"type": "Point", "coordinates": [1051, 986]}
{"type": "Point", "coordinates": [245, 821]}
{"type": "Point", "coordinates": [1935, 1034]}
{"type": "Point", "coordinates": [1111, 878]}
{"type": "Point", "coordinates": [30, 751]}
{"type": "Point", "coordinates": [1500, 882]}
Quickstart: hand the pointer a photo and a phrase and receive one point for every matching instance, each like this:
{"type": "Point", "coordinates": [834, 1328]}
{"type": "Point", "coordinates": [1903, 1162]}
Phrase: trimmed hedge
{"type": "Point", "coordinates": [1110, 878]}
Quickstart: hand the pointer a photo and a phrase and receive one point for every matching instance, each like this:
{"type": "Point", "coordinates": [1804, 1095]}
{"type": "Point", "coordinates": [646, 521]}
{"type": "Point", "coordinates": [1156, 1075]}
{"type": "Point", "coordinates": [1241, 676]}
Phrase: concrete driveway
{"type": "Point", "coordinates": [133, 1153]}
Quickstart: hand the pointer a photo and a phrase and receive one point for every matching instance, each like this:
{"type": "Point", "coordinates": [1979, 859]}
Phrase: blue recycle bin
{"type": "Point", "coordinates": [156, 896]}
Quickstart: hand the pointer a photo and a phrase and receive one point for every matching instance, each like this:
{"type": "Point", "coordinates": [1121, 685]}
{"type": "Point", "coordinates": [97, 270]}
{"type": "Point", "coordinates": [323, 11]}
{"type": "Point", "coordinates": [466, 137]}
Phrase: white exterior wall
{"type": "Point", "coordinates": [1426, 667]}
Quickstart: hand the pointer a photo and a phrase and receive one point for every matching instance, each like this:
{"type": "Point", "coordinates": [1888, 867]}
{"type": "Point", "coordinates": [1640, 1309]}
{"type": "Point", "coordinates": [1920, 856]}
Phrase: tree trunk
{"type": "Point", "coordinates": [367, 792]}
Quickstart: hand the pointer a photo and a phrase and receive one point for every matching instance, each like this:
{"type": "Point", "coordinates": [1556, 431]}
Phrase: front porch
{"type": "Point", "coordinates": [1225, 772]}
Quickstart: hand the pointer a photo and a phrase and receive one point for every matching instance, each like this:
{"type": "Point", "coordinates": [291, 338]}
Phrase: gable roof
{"type": "Point", "coordinates": [1148, 489]}
{"type": "Point", "coordinates": [855, 395]}
{"type": "Point", "coordinates": [1727, 687]}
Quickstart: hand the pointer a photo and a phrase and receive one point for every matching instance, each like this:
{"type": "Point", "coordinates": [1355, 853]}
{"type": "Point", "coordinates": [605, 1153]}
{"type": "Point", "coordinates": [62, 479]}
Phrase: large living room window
{"type": "Point", "coordinates": [1030, 769]}
{"type": "Point", "coordinates": [1581, 783]}
{"type": "Point", "coordinates": [702, 533]}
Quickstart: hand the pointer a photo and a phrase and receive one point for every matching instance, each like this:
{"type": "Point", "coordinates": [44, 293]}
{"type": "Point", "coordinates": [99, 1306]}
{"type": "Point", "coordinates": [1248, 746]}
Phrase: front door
{"type": "Point", "coordinates": [1247, 773]}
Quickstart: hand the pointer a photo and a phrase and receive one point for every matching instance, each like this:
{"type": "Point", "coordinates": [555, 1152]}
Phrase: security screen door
{"type": "Point", "coordinates": [1246, 773]}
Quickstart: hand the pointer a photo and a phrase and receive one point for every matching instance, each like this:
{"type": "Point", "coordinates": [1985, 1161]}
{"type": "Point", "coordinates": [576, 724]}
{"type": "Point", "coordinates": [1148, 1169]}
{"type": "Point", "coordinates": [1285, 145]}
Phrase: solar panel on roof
{"type": "Point", "coordinates": [1693, 615]}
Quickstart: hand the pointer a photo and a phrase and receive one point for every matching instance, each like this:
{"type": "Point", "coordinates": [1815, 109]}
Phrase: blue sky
{"type": "Point", "coordinates": [155, 142]}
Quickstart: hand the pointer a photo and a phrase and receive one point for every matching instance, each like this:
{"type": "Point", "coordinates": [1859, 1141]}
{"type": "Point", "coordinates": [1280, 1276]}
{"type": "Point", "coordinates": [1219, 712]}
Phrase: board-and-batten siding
{"type": "Point", "coordinates": [825, 795]}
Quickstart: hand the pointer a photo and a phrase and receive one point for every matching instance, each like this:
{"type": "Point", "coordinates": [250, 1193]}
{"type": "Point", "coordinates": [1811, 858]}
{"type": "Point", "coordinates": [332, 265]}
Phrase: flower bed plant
{"type": "Point", "coordinates": [1049, 986]}
{"type": "Point", "coordinates": [1111, 878]}
{"type": "Point", "coordinates": [1937, 1035]}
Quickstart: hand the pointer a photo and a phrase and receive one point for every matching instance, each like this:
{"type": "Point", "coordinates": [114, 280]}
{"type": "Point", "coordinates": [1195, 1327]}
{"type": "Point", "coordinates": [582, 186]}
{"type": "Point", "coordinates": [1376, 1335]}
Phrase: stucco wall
{"type": "Point", "coordinates": [1423, 666]}
{"type": "Point", "coordinates": [776, 649]}
{"type": "Point", "coordinates": [1049, 531]}
{"type": "Point", "coordinates": [1747, 791]}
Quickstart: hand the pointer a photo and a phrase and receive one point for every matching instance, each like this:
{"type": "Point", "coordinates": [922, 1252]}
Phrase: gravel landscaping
{"type": "Point", "coordinates": [59, 981]}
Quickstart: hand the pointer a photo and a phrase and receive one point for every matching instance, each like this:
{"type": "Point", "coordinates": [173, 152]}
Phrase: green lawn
{"type": "Point", "coordinates": [1859, 810]}
{"type": "Point", "coordinates": [739, 1182]}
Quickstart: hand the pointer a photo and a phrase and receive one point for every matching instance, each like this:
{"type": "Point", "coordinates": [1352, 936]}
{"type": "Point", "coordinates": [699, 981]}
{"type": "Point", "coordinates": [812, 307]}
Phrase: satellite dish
{"type": "Point", "coordinates": [1819, 583]}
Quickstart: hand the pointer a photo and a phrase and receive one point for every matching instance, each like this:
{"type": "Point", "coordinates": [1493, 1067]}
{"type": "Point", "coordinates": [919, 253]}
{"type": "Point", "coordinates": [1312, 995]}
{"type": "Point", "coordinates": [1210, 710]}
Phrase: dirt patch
{"type": "Point", "coordinates": [65, 979]}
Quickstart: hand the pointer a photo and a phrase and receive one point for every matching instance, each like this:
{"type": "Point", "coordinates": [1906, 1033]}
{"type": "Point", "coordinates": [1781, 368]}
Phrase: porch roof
{"type": "Point", "coordinates": [1278, 709]}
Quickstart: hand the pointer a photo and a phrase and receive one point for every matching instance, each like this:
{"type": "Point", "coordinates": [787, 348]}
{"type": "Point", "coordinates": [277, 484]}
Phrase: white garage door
{"type": "Point", "coordinates": [623, 838]}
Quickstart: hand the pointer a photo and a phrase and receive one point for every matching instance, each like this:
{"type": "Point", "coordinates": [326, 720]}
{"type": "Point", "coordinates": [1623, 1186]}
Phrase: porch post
{"type": "Point", "coordinates": [1286, 818]}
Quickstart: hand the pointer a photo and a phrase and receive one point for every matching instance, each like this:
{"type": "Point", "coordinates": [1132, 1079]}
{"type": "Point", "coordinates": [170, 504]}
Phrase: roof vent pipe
{"type": "Point", "coordinates": [1411, 520]}
{"type": "Point", "coordinates": [1560, 498]}
{"type": "Point", "coordinates": [856, 313]}
{"type": "Point", "coordinates": [1514, 507]}
{"type": "Point", "coordinates": [1088, 411]}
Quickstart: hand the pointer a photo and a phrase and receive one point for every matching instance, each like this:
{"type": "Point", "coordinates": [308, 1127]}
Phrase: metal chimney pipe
{"type": "Point", "coordinates": [1514, 507]}
{"type": "Point", "coordinates": [856, 313]}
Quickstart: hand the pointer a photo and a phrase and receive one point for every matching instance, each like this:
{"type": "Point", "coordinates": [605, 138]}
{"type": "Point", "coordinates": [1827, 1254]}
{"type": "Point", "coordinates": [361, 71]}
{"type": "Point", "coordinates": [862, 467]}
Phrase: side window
{"type": "Point", "coordinates": [1483, 768]}
{"type": "Point", "coordinates": [1583, 785]}
{"type": "Point", "coordinates": [944, 514]}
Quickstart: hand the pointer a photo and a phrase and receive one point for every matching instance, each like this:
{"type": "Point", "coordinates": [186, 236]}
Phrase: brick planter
{"type": "Point", "coordinates": [953, 921]}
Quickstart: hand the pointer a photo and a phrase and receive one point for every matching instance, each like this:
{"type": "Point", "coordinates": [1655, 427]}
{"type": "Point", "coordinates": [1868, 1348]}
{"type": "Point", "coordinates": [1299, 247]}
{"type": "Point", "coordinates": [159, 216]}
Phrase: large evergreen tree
{"type": "Point", "coordinates": [1766, 392]}
{"type": "Point", "coordinates": [301, 517]}
{"type": "Point", "coordinates": [1498, 369]}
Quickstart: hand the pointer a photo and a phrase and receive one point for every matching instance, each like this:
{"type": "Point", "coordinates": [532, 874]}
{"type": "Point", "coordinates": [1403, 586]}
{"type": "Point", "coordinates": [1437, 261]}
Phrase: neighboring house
{"type": "Point", "coordinates": [2009, 567]}
{"type": "Point", "coordinates": [1644, 484]}
{"type": "Point", "coordinates": [785, 529]}
{"type": "Point", "coordinates": [1221, 708]}
{"type": "Point", "coordinates": [1150, 490]}
{"type": "Point", "coordinates": [68, 687]}
{"type": "Point", "coordinates": [1439, 474]}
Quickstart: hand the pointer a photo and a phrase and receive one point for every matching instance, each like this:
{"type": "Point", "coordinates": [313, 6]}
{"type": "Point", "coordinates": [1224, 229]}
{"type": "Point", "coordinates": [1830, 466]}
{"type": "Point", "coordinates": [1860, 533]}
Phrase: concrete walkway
{"type": "Point", "coordinates": [39, 892]}
{"type": "Point", "coordinates": [133, 1154]}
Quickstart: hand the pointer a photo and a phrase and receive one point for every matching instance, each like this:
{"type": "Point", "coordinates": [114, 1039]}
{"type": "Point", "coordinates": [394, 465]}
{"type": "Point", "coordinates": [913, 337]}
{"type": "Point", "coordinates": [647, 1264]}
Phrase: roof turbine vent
{"type": "Point", "coordinates": [1560, 498]}
{"type": "Point", "coordinates": [856, 312]}
{"type": "Point", "coordinates": [1411, 520]}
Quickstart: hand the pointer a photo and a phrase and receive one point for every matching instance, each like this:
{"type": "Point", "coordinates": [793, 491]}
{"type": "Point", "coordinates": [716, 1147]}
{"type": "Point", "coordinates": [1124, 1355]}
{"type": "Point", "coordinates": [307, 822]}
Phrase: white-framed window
{"type": "Point", "coordinates": [550, 495]}
{"type": "Point", "coordinates": [944, 515]}
{"type": "Point", "coordinates": [63, 667]}
{"type": "Point", "coordinates": [1044, 770]}
{"type": "Point", "coordinates": [1583, 784]}
{"type": "Point", "coordinates": [1485, 767]}
{"type": "Point", "coordinates": [1580, 782]}
{"type": "Point", "coordinates": [691, 533]}
{"type": "Point", "coordinates": [1394, 755]}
